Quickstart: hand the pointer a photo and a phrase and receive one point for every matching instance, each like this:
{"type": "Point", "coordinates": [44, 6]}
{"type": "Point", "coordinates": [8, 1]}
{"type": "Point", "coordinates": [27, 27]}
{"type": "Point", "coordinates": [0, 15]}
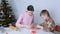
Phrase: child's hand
{"type": "Point", "coordinates": [28, 26]}
{"type": "Point", "coordinates": [39, 27]}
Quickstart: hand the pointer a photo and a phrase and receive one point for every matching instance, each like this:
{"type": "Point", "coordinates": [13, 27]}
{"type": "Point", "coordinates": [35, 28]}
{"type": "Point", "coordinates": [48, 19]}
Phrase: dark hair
{"type": "Point", "coordinates": [45, 12]}
{"type": "Point", "coordinates": [30, 8]}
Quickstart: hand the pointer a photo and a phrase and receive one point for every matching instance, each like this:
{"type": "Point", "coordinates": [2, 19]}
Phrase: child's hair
{"type": "Point", "coordinates": [30, 8]}
{"type": "Point", "coordinates": [45, 12]}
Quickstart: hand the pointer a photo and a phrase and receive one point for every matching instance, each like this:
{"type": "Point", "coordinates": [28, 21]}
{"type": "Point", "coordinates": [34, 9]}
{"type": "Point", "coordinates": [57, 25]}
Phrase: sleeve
{"type": "Point", "coordinates": [52, 28]}
{"type": "Point", "coordinates": [32, 23]}
{"type": "Point", "coordinates": [18, 23]}
{"type": "Point", "coordinates": [33, 19]}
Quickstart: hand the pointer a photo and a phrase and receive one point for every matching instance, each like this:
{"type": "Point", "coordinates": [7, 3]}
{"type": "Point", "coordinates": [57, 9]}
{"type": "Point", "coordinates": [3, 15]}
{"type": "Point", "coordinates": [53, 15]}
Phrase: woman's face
{"type": "Point", "coordinates": [44, 16]}
{"type": "Point", "coordinates": [30, 12]}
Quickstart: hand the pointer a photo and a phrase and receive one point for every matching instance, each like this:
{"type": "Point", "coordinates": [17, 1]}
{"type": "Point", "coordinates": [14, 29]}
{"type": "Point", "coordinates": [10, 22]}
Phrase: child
{"type": "Point", "coordinates": [26, 19]}
{"type": "Point", "coordinates": [49, 24]}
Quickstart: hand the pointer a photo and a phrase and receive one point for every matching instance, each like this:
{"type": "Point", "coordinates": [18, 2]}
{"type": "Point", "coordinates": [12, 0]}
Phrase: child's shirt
{"type": "Point", "coordinates": [49, 25]}
{"type": "Point", "coordinates": [25, 19]}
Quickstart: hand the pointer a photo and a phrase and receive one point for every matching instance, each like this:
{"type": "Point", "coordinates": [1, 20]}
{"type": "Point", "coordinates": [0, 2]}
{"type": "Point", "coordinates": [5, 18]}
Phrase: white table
{"type": "Point", "coordinates": [22, 31]}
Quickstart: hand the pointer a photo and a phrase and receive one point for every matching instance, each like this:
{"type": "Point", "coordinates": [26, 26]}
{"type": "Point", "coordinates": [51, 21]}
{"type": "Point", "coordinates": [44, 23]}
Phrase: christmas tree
{"type": "Point", "coordinates": [6, 15]}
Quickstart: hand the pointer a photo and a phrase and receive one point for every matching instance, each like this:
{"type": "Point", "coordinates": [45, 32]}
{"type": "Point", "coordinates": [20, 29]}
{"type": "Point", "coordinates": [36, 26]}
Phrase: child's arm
{"type": "Point", "coordinates": [32, 23]}
{"type": "Point", "coordinates": [52, 28]}
{"type": "Point", "coordinates": [40, 26]}
{"type": "Point", "coordinates": [18, 23]}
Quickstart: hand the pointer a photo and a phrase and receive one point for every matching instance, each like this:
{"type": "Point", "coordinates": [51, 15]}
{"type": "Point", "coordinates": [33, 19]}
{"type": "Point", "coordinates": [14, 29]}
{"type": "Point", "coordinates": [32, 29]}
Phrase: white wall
{"type": "Point", "coordinates": [0, 2]}
{"type": "Point", "coordinates": [53, 6]}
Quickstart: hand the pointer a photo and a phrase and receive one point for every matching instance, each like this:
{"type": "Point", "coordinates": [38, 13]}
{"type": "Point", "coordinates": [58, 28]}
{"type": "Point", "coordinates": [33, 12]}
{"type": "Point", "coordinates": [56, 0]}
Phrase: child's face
{"type": "Point", "coordinates": [44, 16]}
{"type": "Point", "coordinates": [30, 12]}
